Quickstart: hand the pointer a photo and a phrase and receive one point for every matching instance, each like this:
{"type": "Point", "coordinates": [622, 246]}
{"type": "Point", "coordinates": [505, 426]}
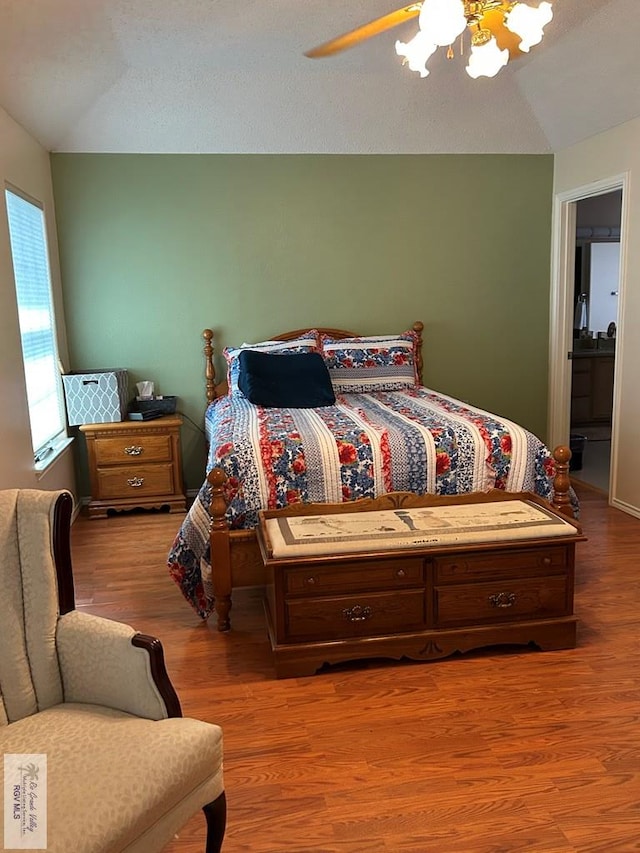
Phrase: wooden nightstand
{"type": "Point", "coordinates": [135, 464]}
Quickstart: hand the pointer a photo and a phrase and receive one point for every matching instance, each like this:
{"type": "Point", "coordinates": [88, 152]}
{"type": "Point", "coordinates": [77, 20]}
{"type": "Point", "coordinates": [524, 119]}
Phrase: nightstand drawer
{"type": "Point", "coordinates": [355, 576]}
{"type": "Point", "coordinates": [498, 564]}
{"type": "Point", "coordinates": [122, 450]}
{"type": "Point", "coordinates": [135, 481]}
{"type": "Point", "coordinates": [355, 615]}
{"type": "Point", "coordinates": [504, 600]}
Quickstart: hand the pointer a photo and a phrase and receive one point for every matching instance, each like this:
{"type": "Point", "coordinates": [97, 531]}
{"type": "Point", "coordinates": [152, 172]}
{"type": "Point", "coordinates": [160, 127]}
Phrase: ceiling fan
{"type": "Point", "coordinates": [499, 30]}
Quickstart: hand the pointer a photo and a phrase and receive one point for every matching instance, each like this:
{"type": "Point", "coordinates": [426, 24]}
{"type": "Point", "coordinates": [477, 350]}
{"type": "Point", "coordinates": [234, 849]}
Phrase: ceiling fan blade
{"type": "Point", "coordinates": [366, 31]}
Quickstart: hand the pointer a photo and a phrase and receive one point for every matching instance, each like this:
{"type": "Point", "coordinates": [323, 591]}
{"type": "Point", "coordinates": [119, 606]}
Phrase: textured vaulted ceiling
{"type": "Point", "coordinates": [225, 76]}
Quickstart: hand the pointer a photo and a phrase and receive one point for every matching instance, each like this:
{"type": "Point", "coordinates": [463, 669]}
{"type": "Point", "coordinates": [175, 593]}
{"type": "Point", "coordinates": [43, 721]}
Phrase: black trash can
{"type": "Point", "coordinates": [576, 444]}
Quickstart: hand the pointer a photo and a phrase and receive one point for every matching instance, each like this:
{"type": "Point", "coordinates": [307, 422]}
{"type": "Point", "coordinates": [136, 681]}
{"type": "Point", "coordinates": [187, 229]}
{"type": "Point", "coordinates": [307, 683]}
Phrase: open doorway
{"type": "Point", "coordinates": [595, 299]}
{"type": "Point", "coordinates": [563, 317]}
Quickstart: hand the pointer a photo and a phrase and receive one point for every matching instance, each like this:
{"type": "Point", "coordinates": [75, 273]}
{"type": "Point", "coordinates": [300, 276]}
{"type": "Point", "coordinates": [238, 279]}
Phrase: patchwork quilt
{"type": "Point", "coordinates": [412, 440]}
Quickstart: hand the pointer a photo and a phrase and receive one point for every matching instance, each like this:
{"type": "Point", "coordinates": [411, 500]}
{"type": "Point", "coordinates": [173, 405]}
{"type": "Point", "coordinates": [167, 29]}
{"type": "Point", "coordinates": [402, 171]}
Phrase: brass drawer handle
{"type": "Point", "coordinates": [135, 482]}
{"type": "Point", "coordinates": [310, 581]}
{"type": "Point", "coordinates": [546, 561]}
{"type": "Point", "coordinates": [400, 573]}
{"type": "Point", "coordinates": [357, 613]}
{"type": "Point", "coordinates": [503, 599]}
{"type": "Point", "coordinates": [134, 450]}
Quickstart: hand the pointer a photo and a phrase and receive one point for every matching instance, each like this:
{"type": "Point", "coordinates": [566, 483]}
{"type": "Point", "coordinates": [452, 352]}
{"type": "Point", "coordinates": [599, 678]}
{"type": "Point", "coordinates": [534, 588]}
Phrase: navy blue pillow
{"type": "Point", "coordinates": [288, 380]}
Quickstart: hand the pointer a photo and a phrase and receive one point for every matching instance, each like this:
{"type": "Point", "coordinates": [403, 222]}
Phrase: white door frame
{"type": "Point", "coordinates": [561, 308]}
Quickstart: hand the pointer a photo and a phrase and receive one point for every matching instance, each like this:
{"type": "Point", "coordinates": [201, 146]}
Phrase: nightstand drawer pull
{"type": "Point", "coordinates": [135, 482]}
{"type": "Point", "coordinates": [400, 573]}
{"type": "Point", "coordinates": [357, 613]}
{"type": "Point", "coordinates": [133, 450]}
{"type": "Point", "coordinates": [503, 599]}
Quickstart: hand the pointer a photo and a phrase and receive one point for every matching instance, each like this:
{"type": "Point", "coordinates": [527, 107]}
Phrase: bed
{"type": "Point", "coordinates": [323, 415]}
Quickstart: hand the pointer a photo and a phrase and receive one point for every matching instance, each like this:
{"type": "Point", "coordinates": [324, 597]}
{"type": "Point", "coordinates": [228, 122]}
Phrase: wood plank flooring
{"type": "Point", "coordinates": [488, 753]}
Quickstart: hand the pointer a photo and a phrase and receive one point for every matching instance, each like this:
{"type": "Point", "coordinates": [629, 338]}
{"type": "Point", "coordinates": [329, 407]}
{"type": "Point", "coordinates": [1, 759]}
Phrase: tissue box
{"type": "Point", "coordinates": [96, 397]}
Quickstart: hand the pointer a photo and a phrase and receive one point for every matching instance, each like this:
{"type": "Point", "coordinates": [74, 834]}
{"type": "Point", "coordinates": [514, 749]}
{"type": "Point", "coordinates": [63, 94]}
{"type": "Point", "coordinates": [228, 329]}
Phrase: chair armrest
{"type": "Point", "coordinates": [103, 662]}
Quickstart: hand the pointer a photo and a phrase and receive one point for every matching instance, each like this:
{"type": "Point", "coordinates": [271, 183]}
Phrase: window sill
{"type": "Point", "coordinates": [51, 458]}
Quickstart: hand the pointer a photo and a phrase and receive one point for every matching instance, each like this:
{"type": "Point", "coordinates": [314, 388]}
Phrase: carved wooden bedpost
{"type": "Point", "coordinates": [561, 482]}
{"type": "Point", "coordinates": [220, 549]}
{"type": "Point", "coordinates": [210, 374]}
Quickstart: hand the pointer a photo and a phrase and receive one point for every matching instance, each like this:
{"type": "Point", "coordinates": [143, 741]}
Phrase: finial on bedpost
{"type": "Point", "coordinates": [417, 327]}
{"type": "Point", "coordinates": [561, 482]}
{"type": "Point", "coordinates": [218, 508]}
{"type": "Point", "coordinates": [210, 374]}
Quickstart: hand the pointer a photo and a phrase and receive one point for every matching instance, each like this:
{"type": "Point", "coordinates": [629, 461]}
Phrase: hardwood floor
{"type": "Point", "coordinates": [488, 753]}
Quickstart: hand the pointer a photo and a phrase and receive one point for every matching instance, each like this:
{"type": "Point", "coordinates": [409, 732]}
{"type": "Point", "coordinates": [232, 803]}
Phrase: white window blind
{"type": "Point", "coordinates": [37, 322]}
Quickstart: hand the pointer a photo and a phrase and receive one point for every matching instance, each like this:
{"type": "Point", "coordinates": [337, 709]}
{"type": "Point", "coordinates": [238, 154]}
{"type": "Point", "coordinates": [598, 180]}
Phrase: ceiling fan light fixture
{"type": "Point", "coordinates": [528, 22]}
{"type": "Point", "coordinates": [499, 30]}
{"type": "Point", "coordinates": [442, 20]}
{"type": "Point", "coordinates": [486, 58]}
{"type": "Point", "coordinates": [417, 52]}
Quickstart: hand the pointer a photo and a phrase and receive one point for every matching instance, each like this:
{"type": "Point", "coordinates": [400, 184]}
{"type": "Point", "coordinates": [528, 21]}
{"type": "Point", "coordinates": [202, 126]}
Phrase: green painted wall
{"type": "Point", "coordinates": [154, 248]}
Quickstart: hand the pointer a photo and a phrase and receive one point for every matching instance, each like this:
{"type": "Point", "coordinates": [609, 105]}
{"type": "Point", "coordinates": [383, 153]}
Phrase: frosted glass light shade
{"type": "Point", "coordinates": [442, 20]}
{"type": "Point", "coordinates": [487, 59]}
{"type": "Point", "coordinates": [417, 52]}
{"type": "Point", "coordinates": [528, 22]}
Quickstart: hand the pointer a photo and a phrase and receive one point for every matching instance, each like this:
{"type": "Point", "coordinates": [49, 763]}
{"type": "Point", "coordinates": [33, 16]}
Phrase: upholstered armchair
{"type": "Point", "coordinates": [124, 770]}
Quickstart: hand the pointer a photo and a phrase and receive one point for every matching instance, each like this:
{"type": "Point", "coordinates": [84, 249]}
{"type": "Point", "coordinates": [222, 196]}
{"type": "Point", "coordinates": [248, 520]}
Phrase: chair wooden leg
{"type": "Point", "coordinates": [216, 815]}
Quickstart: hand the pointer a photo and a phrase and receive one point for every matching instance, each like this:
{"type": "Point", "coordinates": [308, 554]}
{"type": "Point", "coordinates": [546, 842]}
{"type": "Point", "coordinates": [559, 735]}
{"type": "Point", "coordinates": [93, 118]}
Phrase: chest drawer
{"type": "Point", "coordinates": [500, 601]}
{"type": "Point", "coordinates": [129, 449]}
{"type": "Point", "coordinates": [135, 481]}
{"type": "Point", "coordinates": [497, 564]}
{"type": "Point", "coordinates": [355, 576]}
{"type": "Point", "coordinates": [347, 616]}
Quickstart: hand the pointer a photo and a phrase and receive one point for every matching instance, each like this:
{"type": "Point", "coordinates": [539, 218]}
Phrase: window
{"type": "Point", "coordinates": [27, 236]}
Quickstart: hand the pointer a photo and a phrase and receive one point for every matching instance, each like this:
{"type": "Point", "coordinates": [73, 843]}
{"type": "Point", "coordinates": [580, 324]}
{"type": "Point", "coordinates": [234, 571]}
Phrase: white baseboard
{"type": "Point", "coordinates": [77, 507]}
{"type": "Point", "coordinates": [625, 507]}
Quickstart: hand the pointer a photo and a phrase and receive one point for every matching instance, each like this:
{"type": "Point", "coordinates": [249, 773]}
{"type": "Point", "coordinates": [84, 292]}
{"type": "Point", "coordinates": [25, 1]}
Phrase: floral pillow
{"type": "Point", "coordinates": [381, 363]}
{"type": "Point", "coordinates": [309, 342]}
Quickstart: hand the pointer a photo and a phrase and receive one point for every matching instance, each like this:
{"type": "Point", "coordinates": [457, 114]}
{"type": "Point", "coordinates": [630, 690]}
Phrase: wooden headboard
{"type": "Point", "coordinates": [220, 389]}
